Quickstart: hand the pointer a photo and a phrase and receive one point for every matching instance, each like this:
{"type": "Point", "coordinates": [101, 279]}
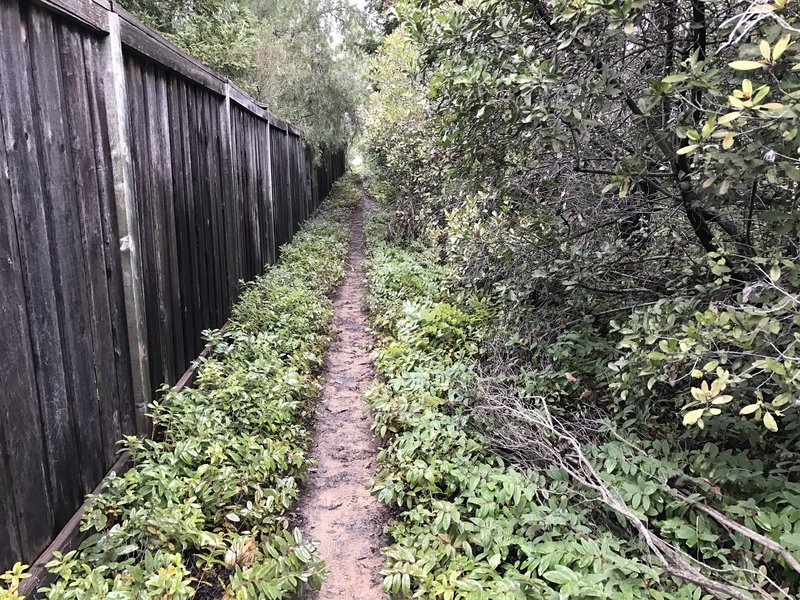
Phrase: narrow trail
{"type": "Point", "coordinates": [336, 508]}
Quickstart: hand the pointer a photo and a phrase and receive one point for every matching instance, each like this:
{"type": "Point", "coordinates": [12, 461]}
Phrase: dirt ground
{"type": "Point", "coordinates": [336, 508]}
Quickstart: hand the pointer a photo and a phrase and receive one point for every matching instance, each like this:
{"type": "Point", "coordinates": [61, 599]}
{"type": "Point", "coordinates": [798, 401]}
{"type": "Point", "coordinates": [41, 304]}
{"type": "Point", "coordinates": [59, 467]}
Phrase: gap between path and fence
{"type": "Point", "coordinates": [137, 188]}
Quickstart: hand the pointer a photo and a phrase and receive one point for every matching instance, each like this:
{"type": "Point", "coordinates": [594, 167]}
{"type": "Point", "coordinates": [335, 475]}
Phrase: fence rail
{"type": "Point", "coordinates": [137, 188]}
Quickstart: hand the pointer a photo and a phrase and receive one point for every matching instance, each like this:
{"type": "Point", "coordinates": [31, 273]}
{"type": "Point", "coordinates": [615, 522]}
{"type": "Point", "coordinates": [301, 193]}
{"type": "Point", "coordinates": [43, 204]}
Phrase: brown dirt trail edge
{"type": "Point", "coordinates": [336, 508]}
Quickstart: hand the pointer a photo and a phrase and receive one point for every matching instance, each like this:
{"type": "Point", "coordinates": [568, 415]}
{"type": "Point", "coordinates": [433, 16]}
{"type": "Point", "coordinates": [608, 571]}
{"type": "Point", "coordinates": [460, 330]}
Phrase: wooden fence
{"type": "Point", "coordinates": [137, 188]}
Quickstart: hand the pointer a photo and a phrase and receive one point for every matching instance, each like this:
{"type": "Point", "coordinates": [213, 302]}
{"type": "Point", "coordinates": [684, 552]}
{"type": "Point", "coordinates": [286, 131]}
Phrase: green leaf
{"type": "Point", "coordinates": [561, 575]}
{"type": "Point", "coordinates": [781, 399]}
{"type": "Point", "coordinates": [776, 367]}
{"type": "Point", "coordinates": [770, 422]}
{"type": "Point", "coordinates": [745, 65]}
{"type": "Point", "coordinates": [727, 142]}
{"type": "Point", "coordinates": [675, 78]}
{"type": "Point", "coordinates": [780, 46]}
{"type": "Point", "coordinates": [766, 52]}
{"type": "Point", "coordinates": [691, 417]}
{"type": "Point", "coordinates": [722, 399]}
{"type": "Point", "coordinates": [731, 116]}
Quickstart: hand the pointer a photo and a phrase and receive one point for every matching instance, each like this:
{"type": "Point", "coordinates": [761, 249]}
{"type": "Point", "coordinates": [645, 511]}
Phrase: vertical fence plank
{"type": "Point", "coordinates": [143, 198]}
{"type": "Point", "coordinates": [166, 182]}
{"type": "Point", "coordinates": [200, 173]}
{"type": "Point", "coordinates": [179, 200]}
{"type": "Point", "coordinates": [252, 194]}
{"type": "Point", "coordinates": [10, 543]}
{"type": "Point", "coordinates": [191, 215]}
{"type": "Point", "coordinates": [258, 199]}
{"type": "Point", "coordinates": [122, 401]}
{"type": "Point", "coordinates": [287, 153]}
{"type": "Point", "coordinates": [226, 161]}
{"type": "Point", "coordinates": [159, 183]}
{"type": "Point", "coordinates": [266, 140]}
{"type": "Point", "coordinates": [42, 291]}
{"type": "Point", "coordinates": [212, 240]}
{"type": "Point", "coordinates": [25, 509]}
{"type": "Point", "coordinates": [214, 103]}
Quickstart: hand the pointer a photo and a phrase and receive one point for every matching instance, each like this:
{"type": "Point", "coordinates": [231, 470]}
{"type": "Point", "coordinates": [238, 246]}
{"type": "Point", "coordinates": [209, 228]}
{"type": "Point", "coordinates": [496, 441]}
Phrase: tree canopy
{"type": "Point", "coordinates": [640, 152]}
{"type": "Point", "coordinates": [303, 59]}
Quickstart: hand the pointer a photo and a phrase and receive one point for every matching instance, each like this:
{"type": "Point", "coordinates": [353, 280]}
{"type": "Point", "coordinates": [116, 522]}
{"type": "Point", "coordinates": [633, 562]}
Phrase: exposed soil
{"type": "Point", "coordinates": [336, 508]}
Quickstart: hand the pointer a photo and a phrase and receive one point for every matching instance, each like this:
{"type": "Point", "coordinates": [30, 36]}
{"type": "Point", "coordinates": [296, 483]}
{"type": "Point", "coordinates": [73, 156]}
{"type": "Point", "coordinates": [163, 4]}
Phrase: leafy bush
{"type": "Point", "coordinates": [479, 515]}
{"type": "Point", "coordinates": [202, 508]}
{"type": "Point", "coordinates": [610, 190]}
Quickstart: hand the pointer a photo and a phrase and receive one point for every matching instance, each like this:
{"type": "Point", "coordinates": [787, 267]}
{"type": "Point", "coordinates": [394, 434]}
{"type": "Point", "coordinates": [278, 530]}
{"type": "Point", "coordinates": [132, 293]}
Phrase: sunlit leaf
{"type": "Point", "coordinates": [745, 65]}
{"type": "Point", "coordinates": [770, 422]}
{"type": "Point", "coordinates": [727, 141]}
{"type": "Point", "coordinates": [780, 46]}
{"type": "Point", "coordinates": [691, 417]}
{"type": "Point", "coordinates": [729, 117]}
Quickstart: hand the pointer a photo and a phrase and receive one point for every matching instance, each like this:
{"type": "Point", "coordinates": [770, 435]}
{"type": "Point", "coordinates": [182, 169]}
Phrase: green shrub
{"type": "Point", "coordinates": [471, 524]}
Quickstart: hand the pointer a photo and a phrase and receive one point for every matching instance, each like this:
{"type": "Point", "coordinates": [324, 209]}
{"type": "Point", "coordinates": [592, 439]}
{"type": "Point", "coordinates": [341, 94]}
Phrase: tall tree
{"type": "Point", "coordinates": [309, 65]}
{"type": "Point", "coordinates": [302, 59]}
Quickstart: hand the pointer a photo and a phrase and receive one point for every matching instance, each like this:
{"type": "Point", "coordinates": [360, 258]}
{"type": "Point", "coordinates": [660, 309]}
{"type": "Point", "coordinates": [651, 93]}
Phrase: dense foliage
{"type": "Point", "coordinates": [202, 510]}
{"type": "Point", "coordinates": [508, 123]}
{"type": "Point", "coordinates": [309, 61]}
{"type": "Point", "coordinates": [610, 190]}
{"type": "Point", "coordinates": [302, 59]}
{"type": "Point", "coordinates": [579, 519]}
{"type": "Point", "coordinates": [220, 33]}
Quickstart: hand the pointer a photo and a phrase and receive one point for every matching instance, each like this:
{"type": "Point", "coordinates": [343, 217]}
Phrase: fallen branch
{"type": "Point", "coordinates": [750, 534]}
{"type": "Point", "coordinates": [526, 433]}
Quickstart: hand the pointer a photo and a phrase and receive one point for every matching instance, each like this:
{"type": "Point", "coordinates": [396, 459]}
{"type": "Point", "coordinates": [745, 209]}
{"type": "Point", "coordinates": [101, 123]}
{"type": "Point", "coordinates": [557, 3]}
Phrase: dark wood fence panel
{"type": "Point", "coordinates": [269, 250]}
{"type": "Point", "coordinates": [24, 466]}
{"type": "Point", "coordinates": [295, 183]}
{"type": "Point", "coordinates": [66, 392]}
{"type": "Point", "coordinates": [177, 149]}
{"type": "Point", "coordinates": [137, 188]}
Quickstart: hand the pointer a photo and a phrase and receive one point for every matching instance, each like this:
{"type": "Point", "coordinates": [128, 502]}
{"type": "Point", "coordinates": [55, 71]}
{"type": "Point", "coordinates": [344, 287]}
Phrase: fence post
{"type": "Point", "coordinates": [127, 218]}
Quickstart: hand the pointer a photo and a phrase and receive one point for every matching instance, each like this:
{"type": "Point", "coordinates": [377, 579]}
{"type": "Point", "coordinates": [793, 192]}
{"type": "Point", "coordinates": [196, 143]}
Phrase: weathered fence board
{"type": "Point", "coordinates": [280, 184]}
{"type": "Point", "coordinates": [137, 189]}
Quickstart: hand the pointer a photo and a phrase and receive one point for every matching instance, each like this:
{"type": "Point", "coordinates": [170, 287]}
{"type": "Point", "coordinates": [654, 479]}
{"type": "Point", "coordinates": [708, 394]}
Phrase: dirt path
{"type": "Point", "coordinates": [336, 508]}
